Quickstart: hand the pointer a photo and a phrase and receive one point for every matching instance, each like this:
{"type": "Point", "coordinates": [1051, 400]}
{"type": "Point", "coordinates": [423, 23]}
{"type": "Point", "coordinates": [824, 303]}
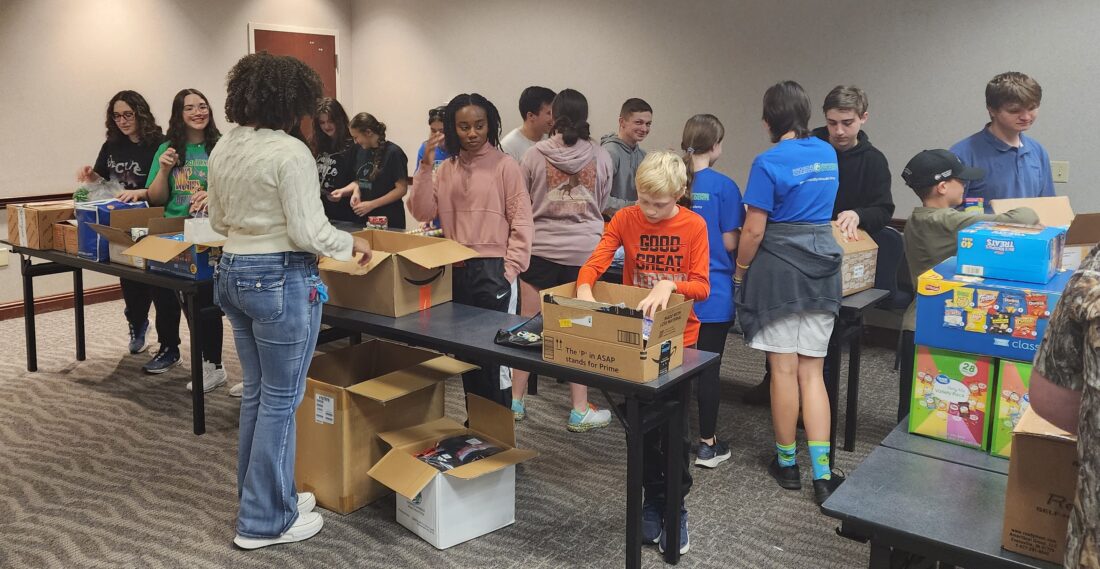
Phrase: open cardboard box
{"type": "Point", "coordinates": [1042, 486]}
{"type": "Point", "coordinates": [119, 234]}
{"type": "Point", "coordinates": [406, 274]}
{"type": "Point", "coordinates": [31, 224]}
{"type": "Point", "coordinates": [606, 327]}
{"type": "Point", "coordinates": [448, 508]}
{"type": "Point", "coordinates": [168, 252]}
{"type": "Point", "coordinates": [859, 262]}
{"type": "Point", "coordinates": [351, 395]}
{"type": "Point", "coordinates": [64, 236]}
{"type": "Point", "coordinates": [1084, 229]}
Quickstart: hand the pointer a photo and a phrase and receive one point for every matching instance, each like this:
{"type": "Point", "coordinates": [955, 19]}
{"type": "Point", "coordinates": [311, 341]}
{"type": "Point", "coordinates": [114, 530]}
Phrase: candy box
{"type": "Point", "coordinates": [1009, 251]}
{"type": "Point", "coordinates": [1010, 402]}
{"type": "Point", "coordinates": [951, 396]}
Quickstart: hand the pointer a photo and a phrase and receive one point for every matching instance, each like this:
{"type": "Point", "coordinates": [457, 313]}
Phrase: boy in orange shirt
{"type": "Point", "coordinates": [667, 251]}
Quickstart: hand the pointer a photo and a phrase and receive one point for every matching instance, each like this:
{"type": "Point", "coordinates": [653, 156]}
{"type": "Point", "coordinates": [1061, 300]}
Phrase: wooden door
{"type": "Point", "coordinates": [316, 50]}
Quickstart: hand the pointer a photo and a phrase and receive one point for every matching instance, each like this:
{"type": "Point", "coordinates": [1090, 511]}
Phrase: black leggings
{"type": "Point", "coordinates": [140, 296]}
{"type": "Point", "coordinates": [655, 457]}
{"type": "Point", "coordinates": [480, 282]}
{"type": "Point", "coordinates": [712, 338]}
{"type": "Point", "coordinates": [210, 329]}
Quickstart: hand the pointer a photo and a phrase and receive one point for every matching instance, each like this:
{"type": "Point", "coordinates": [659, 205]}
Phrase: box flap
{"type": "Point", "coordinates": [1053, 211]}
{"type": "Point", "coordinates": [1033, 425]}
{"type": "Point", "coordinates": [862, 243]}
{"type": "Point", "coordinates": [47, 206]}
{"type": "Point", "coordinates": [403, 473]}
{"type": "Point", "coordinates": [113, 234]}
{"type": "Point", "coordinates": [135, 217]}
{"type": "Point", "coordinates": [437, 253]}
{"type": "Point", "coordinates": [162, 225]}
{"type": "Point", "coordinates": [426, 434]}
{"type": "Point", "coordinates": [670, 322]}
{"type": "Point", "coordinates": [491, 463]}
{"type": "Point", "coordinates": [353, 267]}
{"type": "Point", "coordinates": [157, 249]}
{"type": "Point", "coordinates": [402, 382]}
{"type": "Point", "coordinates": [494, 420]}
{"type": "Point", "coordinates": [1084, 230]}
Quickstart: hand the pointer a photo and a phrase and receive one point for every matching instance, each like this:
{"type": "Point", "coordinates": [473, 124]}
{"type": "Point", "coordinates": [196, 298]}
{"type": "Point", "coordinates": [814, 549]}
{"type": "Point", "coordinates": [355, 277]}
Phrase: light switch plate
{"type": "Point", "coordinates": [1060, 171]}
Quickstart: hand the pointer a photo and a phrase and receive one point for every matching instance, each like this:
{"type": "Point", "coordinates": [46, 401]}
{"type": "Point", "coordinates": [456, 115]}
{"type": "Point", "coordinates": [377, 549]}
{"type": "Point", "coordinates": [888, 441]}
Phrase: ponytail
{"type": "Point", "coordinates": [570, 110]}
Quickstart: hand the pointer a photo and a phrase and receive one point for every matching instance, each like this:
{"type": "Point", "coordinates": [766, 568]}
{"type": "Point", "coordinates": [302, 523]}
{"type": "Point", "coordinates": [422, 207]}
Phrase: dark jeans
{"type": "Point", "coordinates": [905, 375]}
{"type": "Point", "coordinates": [210, 329]}
{"type": "Point", "coordinates": [138, 297]}
{"type": "Point", "coordinates": [654, 458]}
{"type": "Point", "coordinates": [712, 338]}
{"type": "Point", "coordinates": [480, 282]}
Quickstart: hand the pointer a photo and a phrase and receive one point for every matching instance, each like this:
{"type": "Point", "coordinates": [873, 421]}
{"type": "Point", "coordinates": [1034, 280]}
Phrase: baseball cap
{"type": "Point", "coordinates": [929, 167]}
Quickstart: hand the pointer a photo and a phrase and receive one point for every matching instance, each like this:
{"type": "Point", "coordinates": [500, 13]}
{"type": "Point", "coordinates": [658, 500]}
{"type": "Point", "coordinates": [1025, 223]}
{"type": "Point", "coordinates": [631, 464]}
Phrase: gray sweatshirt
{"type": "Point", "coordinates": [625, 160]}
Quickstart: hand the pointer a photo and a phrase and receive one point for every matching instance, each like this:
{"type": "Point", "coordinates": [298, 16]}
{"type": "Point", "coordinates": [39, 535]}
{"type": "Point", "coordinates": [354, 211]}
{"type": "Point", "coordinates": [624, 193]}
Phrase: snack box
{"type": "Point", "coordinates": [126, 228]}
{"type": "Point", "coordinates": [1005, 319]}
{"type": "Point", "coordinates": [951, 400]}
{"type": "Point", "coordinates": [1010, 251]}
{"type": "Point", "coordinates": [168, 251]}
{"type": "Point", "coordinates": [91, 244]}
{"type": "Point", "coordinates": [1010, 401]}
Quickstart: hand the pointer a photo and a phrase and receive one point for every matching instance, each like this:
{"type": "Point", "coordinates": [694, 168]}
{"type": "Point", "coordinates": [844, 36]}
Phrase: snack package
{"type": "Point", "coordinates": [987, 300]}
{"type": "Point", "coordinates": [964, 297]}
{"type": "Point", "coordinates": [1013, 303]}
{"type": "Point", "coordinates": [1024, 326]}
{"type": "Point", "coordinates": [1000, 323]}
{"type": "Point", "coordinates": [1037, 305]}
{"type": "Point", "coordinates": [976, 320]}
{"type": "Point", "coordinates": [954, 317]}
{"type": "Point", "coordinates": [452, 452]}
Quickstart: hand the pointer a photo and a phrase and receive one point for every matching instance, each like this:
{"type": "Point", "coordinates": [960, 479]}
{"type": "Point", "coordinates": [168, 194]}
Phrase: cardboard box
{"type": "Point", "coordinates": [1010, 251]}
{"type": "Point", "coordinates": [629, 330]}
{"type": "Point", "coordinates": [977, 315]}
{"type": "Point", "coordinates": [448, 508]}
{"type": "Point", "coordinates": [1010, 402]}
{"type": "Point", "coordinates": [407, 273]}
{"type": "Point", "coordinates": [860, 260]}
{"type": "Point", "coordinates": [64, 237]}
{"type": "Point", "coordinates": [613, 359]}
{"type": "Point", "coordinates": [1042, 485]}
{"type": "Point", "coordinates": [1082, 236]}
{"type": "Point", "coordinates": [121, 235]}
{"type": "Point", "coordinates": [169, 253]}
{"type": "Point", "coordinates": [31, 224]}
{"type": "Point", "coordinates": [351, 395]}
{"type": "Point", "coordinates": [92, 245]}
{"type": "Point", "coordinates": [951, 396]}
{"type": "Point", "coordinates": [1053, 211]}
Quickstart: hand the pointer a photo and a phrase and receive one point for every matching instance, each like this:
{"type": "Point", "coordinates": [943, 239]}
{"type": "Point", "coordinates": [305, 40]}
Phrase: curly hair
{"type": "Point", "coordinates": [450, 129]}
{"type": "Point", "coordinates": [271, 91]}
{"type": "Point", "coordinates": [177, 128]}
{"type": "Point", "coordinates": [323, 143]}
{"type": "Point", "coordinates": [148, 131]}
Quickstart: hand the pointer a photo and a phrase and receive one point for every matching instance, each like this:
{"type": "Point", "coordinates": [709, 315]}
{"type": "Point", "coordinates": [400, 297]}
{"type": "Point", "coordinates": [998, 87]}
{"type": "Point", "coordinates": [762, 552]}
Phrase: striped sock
{"type": "Point", "coordinates": [819, 457]}
{"type": "Point", "coordinates": [786, 454]}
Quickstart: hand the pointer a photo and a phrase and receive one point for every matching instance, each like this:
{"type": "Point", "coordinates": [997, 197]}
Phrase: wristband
{"type": "Point", "coordinates": [740, 266]}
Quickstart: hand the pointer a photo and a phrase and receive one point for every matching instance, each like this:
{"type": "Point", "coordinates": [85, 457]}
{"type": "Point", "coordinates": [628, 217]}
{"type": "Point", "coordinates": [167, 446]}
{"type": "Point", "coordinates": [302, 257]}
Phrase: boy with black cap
{"type": "Point", "coordinates": [938, 177]}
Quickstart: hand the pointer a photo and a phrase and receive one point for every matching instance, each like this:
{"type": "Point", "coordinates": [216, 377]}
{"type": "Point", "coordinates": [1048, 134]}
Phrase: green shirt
{"type": "Point", "coordinates": [931, 236]}
{"type": "Point", "coordinates": [184, 180]}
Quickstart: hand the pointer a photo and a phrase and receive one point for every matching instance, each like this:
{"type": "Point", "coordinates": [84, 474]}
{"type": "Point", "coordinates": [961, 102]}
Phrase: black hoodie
{"type": "Point", "coordinates": [864, 183]}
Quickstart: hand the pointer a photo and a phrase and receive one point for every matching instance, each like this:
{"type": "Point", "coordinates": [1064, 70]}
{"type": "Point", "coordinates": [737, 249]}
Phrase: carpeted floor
{"type": "Point", "coordinates": [98, 468]}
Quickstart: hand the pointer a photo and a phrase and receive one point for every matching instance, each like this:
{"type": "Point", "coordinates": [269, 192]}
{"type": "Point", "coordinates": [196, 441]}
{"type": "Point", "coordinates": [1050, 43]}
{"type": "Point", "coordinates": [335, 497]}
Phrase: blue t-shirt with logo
{"type": "Point", "coordinates": [795, 181]}
{"type": "Point", "coordinates": [717, 199]}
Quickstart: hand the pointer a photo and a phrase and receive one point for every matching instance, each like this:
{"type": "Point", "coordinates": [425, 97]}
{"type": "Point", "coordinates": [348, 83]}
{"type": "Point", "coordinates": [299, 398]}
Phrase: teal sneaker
{"type": "Point", "coordinates": [592, 418]}
{"type": "Point", "coordinates": [519, 412]}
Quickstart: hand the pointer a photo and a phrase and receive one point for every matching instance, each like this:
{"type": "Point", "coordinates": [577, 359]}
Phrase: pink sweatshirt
{"type": "Point", "coordinates": [482, 202]}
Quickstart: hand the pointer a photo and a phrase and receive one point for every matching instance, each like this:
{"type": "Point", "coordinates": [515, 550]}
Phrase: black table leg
{"type": "Point", "coordinates": [198, 403]}
{"type": "Point", "coordinates": [78, 313]}
{"type": "Point", "coordinates": [851, 412]}
{"type": "Point", "coordinates": [28, 313]}
{"type": "Point", "coordinates": [634, 446]}
{"type": "Point", "coordinates": [674, 455]}
{"type": "Point", "coordinates": [832, 382]}
{"type": "Point", "coordinates": [880, 556]}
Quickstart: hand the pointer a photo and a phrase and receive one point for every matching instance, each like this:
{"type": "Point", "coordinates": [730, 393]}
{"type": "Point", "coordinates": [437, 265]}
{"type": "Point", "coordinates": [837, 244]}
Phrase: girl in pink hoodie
{"type": "Point", "coordinates": [481, 200]}
{"type": "Point", "coordinates": [569, 177]}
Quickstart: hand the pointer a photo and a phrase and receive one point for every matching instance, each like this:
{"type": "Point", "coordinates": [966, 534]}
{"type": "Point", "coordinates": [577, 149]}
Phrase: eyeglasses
{"type": "Point", "coordinates": [201, 107]}
{"type": "Point", "coordinates": [127, 115]}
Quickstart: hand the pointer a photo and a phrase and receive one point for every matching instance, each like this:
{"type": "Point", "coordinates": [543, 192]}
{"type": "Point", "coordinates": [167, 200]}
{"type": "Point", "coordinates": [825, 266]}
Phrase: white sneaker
{"type": "Point", "coordinates": [212, 377]}
{"type": "Point", "coordinates": [593, 418]}
{"type": "Point", "coordinates": [237, 390]}
{"type": "Point", "coordinates": [306, 502]}
{"type": "Point", "coordinates": [304, 528]}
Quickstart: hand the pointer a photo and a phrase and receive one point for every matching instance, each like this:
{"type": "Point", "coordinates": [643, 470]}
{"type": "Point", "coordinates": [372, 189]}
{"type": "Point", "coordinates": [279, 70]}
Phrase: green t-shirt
{"type": "Point", "coordinates": [184, 180]}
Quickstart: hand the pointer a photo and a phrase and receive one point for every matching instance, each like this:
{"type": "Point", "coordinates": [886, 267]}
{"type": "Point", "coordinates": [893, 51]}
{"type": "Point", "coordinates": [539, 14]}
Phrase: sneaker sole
{"type": "Point", "coordinates": [161, 370]}
{"type": "Point", "coordinates": [712, 462]}
{"type": "Point", "coordinates": [308, 505]}
{"type": "Point", "coordinates": [584, 427]}
{"type": "Point", "coordinates": [300, 535]}
{"type": "Point", "coordinates": [519, 416]}
{"type": "Point", "coordinates": [206, 389]}
{"type": "Point", "coordinates": [140, 350]}
{"type": "Point", "coordinates": [683, 549]}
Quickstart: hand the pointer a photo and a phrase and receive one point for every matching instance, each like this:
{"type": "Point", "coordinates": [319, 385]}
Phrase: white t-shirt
{"type": "Point", "coordinates": [515, 144]}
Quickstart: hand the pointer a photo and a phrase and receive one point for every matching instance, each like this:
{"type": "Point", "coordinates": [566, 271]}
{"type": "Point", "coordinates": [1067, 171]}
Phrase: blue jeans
{"type": "Point", "coordinates": [276, 318]}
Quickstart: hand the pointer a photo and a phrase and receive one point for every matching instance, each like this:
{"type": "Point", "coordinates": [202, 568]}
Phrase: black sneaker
{"type": "Point", "coordinates": [788, 477]}
{"type": "Point", "coordinates": [760, 394]}
{"type": "Point", "coordinates": [166, 359]}
{"type": "Point", "coordinates": [825, 488]}
{"type": "Point", "coordinates": [710, 456]}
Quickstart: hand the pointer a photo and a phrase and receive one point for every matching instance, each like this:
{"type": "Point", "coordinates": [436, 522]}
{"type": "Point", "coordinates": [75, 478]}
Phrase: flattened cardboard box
{"type": "Point", "coordinates": [859, 262]}
{"type": "Point", "coordinates": [119, 236]}
{"type": "Point", "coordinates": [31, 224]}
{"type": "Point", "coordinates": [406, 274]}
{"type": "Point", "coordinates": [448, 508]}
{"type": "Point", "coordinates": [613, 359]}
{"type": "Point", "coordinates": [351, 395]}
{"type": "Point", "coordinates": [1042, 486]}
{"type": "Point", "coordinates": [625, 331]}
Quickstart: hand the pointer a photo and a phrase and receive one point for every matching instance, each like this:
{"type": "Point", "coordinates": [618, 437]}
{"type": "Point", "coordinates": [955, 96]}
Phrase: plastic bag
{"type": "Point", "coordinates": [198, 230]}
{"type": "Point", "coordinates": [98, 190]}
{"type": "Point", "coordinates": [452, 452]}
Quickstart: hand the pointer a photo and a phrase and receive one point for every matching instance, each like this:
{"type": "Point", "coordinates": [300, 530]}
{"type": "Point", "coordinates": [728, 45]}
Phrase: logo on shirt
{"type": "Point", "coordinates": [814, 168]}
{"type": "Point", "coordinates": [659, 258]}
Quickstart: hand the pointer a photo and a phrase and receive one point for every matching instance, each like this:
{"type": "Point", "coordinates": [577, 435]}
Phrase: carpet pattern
{"type": "Point", "coordinates": [98, 468]}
